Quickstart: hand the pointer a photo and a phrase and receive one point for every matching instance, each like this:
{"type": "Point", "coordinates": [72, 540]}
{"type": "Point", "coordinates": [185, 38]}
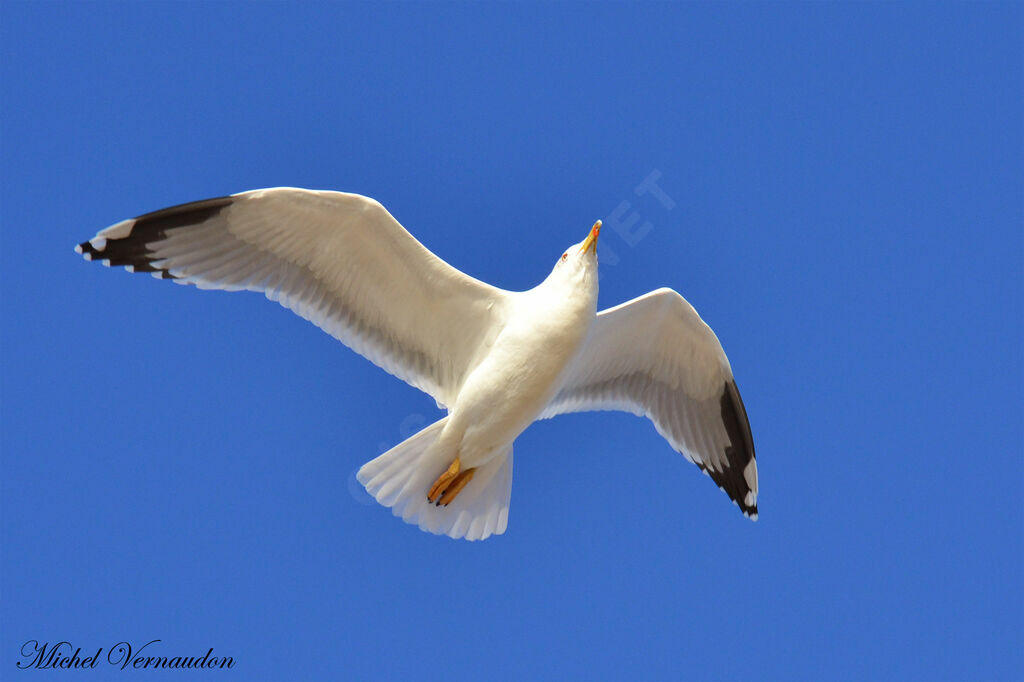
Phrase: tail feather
{"type": "Point", "coordinates": [400, 478]}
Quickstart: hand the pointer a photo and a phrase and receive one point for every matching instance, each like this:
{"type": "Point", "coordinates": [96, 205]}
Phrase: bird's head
{"type": "Point", "coordinates": [579, 262]}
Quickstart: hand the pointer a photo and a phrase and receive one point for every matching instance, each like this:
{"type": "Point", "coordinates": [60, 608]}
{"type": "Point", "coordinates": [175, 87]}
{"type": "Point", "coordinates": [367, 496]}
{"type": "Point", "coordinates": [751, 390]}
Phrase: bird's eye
{"type": "Point", "coordinates": [565, 255]}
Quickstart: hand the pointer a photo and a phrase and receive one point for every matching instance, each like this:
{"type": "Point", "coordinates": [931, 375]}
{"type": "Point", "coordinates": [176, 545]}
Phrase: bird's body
{"type": "Point", "coordinates": [522, 370]}
{"type": "Point", "coordinates": [497, 360]}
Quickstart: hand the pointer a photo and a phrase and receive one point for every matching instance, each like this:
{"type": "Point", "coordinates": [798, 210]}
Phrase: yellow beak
{"type": "Point", "coordinates": [591, 240]}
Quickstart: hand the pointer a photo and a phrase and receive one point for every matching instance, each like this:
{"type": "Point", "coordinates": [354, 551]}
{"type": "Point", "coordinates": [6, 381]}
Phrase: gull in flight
{"type": "Point", "coordinates": [496, 360]}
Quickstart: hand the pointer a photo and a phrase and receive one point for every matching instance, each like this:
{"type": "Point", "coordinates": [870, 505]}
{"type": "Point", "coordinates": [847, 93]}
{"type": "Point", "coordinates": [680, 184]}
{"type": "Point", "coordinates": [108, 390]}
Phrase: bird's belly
{"type": "Point", "coordinates": [508, 390]}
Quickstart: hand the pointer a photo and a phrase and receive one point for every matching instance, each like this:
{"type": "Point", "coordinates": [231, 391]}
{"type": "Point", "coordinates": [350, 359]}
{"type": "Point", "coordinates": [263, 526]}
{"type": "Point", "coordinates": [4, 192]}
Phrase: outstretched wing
{"type": "Point", "coordinates": [653, 356]}
{"type": "Point", "coordinates": [339, 260]}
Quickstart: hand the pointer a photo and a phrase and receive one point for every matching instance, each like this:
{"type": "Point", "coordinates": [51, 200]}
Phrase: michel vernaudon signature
{"type": "Point", "coordinates": [122, 655]}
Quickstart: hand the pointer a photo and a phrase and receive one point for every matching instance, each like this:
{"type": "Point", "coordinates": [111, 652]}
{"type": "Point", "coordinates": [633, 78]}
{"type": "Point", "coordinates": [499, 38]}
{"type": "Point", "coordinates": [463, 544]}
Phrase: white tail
{"type": "Point", "coordinates": [400, 478]}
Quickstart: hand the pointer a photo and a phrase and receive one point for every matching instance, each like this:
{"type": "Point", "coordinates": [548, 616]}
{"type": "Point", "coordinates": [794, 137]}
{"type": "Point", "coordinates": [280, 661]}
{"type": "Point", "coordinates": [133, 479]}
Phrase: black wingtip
{"type": "Point", "coordinates": [739, 477]}
{"type": "Point", "coordinates": [132, 248]}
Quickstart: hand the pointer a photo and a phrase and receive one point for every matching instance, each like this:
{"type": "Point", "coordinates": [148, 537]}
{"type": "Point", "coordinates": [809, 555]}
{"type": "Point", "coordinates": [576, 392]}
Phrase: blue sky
{"type": "Point", "coordinates": [845, 185]}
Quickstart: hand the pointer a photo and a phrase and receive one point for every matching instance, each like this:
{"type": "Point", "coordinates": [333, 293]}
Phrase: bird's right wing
{"type": "Point", "coordinates": [653, 356]}
{"type": "Point", "coordinates": [339, 260]}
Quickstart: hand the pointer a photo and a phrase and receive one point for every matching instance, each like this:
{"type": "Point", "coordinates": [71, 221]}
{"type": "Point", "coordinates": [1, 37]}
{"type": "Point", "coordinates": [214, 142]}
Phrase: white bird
{"type": "Point", "coordinates": [497, 360]}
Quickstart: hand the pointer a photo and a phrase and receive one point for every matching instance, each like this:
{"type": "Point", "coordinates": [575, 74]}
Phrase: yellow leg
{"type": "Point", "coordinates": [444, 480]}
{"type": "Point", "coordinates": [456, 486]}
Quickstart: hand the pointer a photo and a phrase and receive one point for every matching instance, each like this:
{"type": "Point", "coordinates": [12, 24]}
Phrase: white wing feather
{"type": "Point", "coordinates": [654, 357]}
{"type": "Point", "coordinates": [339, 260]}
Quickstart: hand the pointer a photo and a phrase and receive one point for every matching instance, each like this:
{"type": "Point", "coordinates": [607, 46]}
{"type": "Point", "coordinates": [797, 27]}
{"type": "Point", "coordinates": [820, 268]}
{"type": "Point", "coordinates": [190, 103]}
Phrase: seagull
{"type": "Point", "coordinates": [496, 360]}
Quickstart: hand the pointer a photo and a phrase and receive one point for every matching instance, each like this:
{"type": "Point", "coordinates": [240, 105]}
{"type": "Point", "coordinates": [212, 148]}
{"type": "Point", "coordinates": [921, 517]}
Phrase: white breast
{"type": "Point", "coordinates": [522, 372]}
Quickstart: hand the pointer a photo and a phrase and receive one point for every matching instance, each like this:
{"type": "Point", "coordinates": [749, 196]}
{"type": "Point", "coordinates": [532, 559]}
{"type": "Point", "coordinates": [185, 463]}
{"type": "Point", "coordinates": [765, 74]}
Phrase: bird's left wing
{"type": "Point", "coordinates": [339, 260]}
{"type": "Point", "coordinates": [653, 356]}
